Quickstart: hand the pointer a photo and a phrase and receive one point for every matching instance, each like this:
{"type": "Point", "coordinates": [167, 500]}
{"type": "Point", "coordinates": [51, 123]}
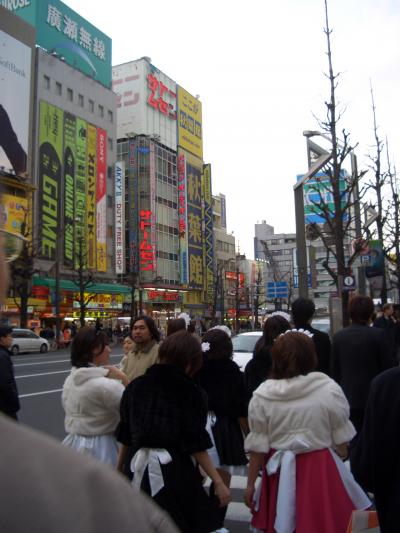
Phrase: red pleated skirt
{"type": "Point", "coordinates": [322, 502]}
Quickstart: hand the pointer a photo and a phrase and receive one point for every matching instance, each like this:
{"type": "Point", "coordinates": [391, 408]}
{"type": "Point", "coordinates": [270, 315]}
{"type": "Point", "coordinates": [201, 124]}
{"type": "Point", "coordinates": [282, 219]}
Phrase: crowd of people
{"type": "Point", "coordinates": [176, 412]}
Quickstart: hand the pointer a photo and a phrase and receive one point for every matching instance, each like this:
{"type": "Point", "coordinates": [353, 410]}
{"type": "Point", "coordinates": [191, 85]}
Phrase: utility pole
{"type": "Point", "coordinates": [237, 301]}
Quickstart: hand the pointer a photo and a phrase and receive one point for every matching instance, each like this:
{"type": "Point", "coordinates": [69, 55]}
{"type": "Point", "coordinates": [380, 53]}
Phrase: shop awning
{"type": "Point", "coordinates": [97, 288]}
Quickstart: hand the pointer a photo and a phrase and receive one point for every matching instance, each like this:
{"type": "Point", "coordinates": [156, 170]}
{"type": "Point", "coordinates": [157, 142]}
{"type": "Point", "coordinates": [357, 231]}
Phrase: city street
{"type": "Point", "coordinates": [40, 378]}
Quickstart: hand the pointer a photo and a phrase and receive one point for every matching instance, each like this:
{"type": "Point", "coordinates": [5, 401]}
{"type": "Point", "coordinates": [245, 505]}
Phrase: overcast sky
{"type": "Point", "coordinates": [258, 66]}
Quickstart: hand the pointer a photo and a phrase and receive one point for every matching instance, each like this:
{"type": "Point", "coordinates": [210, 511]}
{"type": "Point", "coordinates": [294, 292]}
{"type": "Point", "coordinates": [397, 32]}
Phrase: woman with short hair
{"type": "Point", "coordinates": [91, 396]}
{"type": "Point", "coordinates": [163, 418]}
{"type": "Point", "coordinates": [299, 430]}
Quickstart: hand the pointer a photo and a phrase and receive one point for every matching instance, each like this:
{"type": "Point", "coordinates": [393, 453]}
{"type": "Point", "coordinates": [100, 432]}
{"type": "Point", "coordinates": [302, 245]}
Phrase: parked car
{"type": "Point", "coordinates": [25, 340]}
{"type": "Point", "coordinates": [243, 347]}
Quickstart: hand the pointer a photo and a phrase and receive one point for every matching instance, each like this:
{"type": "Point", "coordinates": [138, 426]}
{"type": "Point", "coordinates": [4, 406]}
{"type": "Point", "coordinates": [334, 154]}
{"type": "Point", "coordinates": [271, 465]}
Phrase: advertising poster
{"type": "Point", "coordinates": [208, 232]}
{"type": "Point", "coordinates": [61, 29]}
{"type": "Point", "coordinates": [101, 200]}
{"type": "Point", "coordinates": [132, 215]}
{"type": "Point", "coordinates": [69, 187]}
{"type": "Point", "coordinates": [15, 212]}
{"type": "Point", "coordinates": [318, 190]}
{"type": "Point", "coordinates": [80, 194]}
{"type": "Point", "coordinates": [194, 170]}
{"type": "Point", "coordinates": [91, 153]}
{"type": "Point", "coordinates": [49, 176]}
{"type": "Point", "coordinates": [119, 188]}
{"type": "Point", "coordinates": [377, 259]}
{"type": "Point", "coordinates": [190, 136]}
{"type": "Point", "coordinates": [15, 80]}
{"type": "Point", "coordinates": [182, 218]}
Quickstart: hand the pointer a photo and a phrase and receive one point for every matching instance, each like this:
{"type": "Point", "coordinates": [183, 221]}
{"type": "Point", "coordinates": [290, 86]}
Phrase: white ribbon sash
{"type": "Point", "coordinates": [152, 458]}
{"type": "Point", "coordinates": [285, 520]}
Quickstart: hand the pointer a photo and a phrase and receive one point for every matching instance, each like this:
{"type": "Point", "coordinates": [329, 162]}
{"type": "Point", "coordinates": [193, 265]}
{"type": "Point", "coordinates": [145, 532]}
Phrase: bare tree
{"type": "Point", "coordinates": [335, 193]}
{"type": "Point", "coordinates": [392, 224]}
{"type": "Point", "coordinates": [83, 278]}
{"type": "Point", "coordinates": [22, 270]}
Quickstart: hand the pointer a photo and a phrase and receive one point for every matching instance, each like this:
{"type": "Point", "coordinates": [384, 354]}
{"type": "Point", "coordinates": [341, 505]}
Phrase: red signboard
{"type": "Point", "coordinates": [181, 196]}
{"type": "Point", "coordinates": [146, 249]}
{"type": "Point", "coordinates": [159, 93]}
{"type": "Point", "coordinates": [163, 295]}
{"type": "Point", "coordinates": [233, 276]}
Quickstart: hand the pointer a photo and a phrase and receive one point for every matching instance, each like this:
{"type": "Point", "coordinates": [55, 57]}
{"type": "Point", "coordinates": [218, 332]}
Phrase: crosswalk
{"type": "Point", "coordinates": [238, 516]}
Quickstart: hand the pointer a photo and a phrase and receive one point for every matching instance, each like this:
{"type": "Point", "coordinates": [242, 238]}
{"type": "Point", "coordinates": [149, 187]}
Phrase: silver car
{"type": "Point", "coordinates": [243, 347]}
{"type": "Point", "coordinates": [25, 340]}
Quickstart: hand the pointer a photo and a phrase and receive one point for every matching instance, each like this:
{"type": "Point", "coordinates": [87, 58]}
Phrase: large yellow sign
{"type": "Point", "coordinates": [190, 132]}
{"type": "Point", "coordinates": [15, 212]}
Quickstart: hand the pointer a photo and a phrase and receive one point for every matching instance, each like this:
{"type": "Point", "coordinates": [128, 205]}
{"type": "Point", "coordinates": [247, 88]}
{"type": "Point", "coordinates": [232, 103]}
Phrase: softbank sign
{"type": "Point", "coordinates": [119, 217]}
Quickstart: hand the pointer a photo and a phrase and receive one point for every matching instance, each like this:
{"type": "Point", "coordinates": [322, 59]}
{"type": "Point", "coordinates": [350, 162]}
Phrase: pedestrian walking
{"type": "Point", "coordinates": [297, 419]}
{"type": "Point", "coordinates": [91, 397]}
{"type": "Point", "coordinates": [171, 443]}
{"type": "Point", "coordinates": [67, 336]}
{"type": "Point", "coordinates": [144, 353]}
{"type": "Point", "coordinates": [359, 353]}
{"type": "Point", "coordinates": [375, 460]}
{"type": "Point", "coordinates": [303, 311]}
{"type": "Point", "coordinates": [9, 402]}
{"type": "Point", "coordinates": [259, 367]}
{"type": "Point", "coordinates": [222, 380]}
{"type": "Point", "coordinates": [387, 323]}
{"type": "Point", "coordinates": [174, 325]}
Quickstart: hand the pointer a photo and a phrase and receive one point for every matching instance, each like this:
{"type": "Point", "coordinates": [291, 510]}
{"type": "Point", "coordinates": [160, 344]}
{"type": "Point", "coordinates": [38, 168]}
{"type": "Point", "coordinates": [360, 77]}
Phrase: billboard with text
{"type": "Point", "coordinates": [190, 133]}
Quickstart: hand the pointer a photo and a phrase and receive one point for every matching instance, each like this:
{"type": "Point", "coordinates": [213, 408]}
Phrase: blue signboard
{"type": "Point", "coordinates": [277, 289]}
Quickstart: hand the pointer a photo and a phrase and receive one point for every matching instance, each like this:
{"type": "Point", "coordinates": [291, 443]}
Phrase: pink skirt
{"type": "Point", "coordinates": [322, 502]}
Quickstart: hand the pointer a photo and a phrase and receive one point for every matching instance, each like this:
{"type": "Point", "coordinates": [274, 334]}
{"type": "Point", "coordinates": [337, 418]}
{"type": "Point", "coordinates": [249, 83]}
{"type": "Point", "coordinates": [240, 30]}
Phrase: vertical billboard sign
{"type": "Point", "coordinates": [49, 175]}
{"type": "Point", "coordinates": [15, 81]}
{"type": "Point", "coordinates": [101, 201]}
{"type": "Point", "coordinates": [91, 152]}
{"type": "Point", "coordinates": [194, 170]}
{"type": "Point", "coordinates": [147, 226]}
{"type": "Point", "coordinates": [208, 232]}
{"type": "Point", "coordinates": [60, 29]}
{"type": "Point", "coordinates": [69, 187]}
{"type": "Point", "coordinates": [119, 217]}
{"type": "Point", "coordinates": [80, 195]}
{"type": "Point", "coordinates": [182, 219]}
{"type": "Point", "coordinates": [133, 209]}
{"type": "Point", "coordinates": [190, 136]}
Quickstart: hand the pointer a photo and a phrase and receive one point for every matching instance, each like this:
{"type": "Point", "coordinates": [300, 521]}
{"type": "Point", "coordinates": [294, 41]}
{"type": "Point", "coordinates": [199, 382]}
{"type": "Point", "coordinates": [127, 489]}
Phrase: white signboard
{"type": "Point", "coordinates": [119, 217]}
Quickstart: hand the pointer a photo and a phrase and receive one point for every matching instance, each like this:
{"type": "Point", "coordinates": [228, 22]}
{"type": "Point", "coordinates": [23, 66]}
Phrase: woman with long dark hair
{"type": "Point", "coordinates": [91, 397]}
{"type": "Point", "coordinates": [258, 368]}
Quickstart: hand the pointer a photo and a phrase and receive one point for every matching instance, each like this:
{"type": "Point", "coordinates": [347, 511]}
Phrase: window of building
{"type": "Point", "coordinates": [110, 116]}
{"type": "Point", "coordinates": [109, 231]}
{"type": "Point", "coordinates": [91, 106]}
{"type": "Point", "coordinates": [46, 82]}
{"type": "Point", "coordinates": [58, 88]}
{"type": "Point", "coordinates": [109, 173]}
{"type": "Point", "coordinates": [81, 101]}
{"type": "Point", "coordinates": [70, 94]}
{"type": "Point", "coordinates": [109, 200]}
{"type": "Point", "coordinates": [110, 143]}
{"type": "Point", "coordinates": [101, 111]}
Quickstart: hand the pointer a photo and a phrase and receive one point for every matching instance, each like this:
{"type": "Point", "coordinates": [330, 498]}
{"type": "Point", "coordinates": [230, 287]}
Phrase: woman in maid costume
{"type": "Point", "coordinates": [299, 430]}
{"type": "Point", "coordinates": [163, 418]}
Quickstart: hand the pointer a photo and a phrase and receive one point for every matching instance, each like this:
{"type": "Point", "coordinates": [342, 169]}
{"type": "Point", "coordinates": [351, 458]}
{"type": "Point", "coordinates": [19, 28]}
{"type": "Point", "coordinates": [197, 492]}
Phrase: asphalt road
{"type": "Point", "coordinates": [40, 378]}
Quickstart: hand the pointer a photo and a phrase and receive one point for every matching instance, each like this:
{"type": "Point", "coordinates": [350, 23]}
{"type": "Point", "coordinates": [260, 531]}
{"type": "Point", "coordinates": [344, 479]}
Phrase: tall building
{"type": "Point", "coordinates": [71, 163]}
{"type": "Point", "coordinates": [165, 244]}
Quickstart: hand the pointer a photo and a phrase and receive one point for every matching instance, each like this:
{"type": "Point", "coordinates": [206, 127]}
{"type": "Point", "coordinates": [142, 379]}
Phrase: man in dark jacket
{"type": "Point", "coordinates": [359, 353]}
{"type": "Point", "coordinates": [9, 402]}
{"type": "Point", "coordinates": [375, 461]}
{"type": "Point", "coordinates": [303, 311]}
{"type": "Point", "coordinates": [387, 323]}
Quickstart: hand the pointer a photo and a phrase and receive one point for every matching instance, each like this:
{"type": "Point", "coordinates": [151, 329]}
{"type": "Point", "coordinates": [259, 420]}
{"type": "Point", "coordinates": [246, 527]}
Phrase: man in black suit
{"type": "Point", "coordinates": [303, 311]}
{"type": "Point", "coordinates": [359, 353]}
{"type": "Point", "coordinates": [388, 324]}
{"type": "Point", "coordinates": [375, 460]}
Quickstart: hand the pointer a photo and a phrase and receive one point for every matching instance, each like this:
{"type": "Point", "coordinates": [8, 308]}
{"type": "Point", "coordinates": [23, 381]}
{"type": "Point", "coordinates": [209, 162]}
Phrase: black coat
{"type": "Point", "coordinates": [388, 325]}
{"type": "Point", "coordinates": [359, 353]}
{"type": "Point", "coordinates": [9, 402]}
{"type": "Point", "coordinates": [258, 368]}
{"type": "Point", "coordinates": [375, 460]}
